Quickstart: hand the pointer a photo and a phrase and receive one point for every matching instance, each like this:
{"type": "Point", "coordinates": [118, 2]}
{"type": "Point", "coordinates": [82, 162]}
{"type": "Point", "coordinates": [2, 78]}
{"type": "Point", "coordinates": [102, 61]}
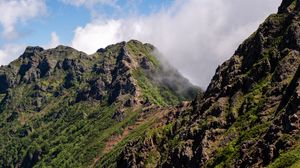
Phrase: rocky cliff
{"type": "Point", "coordinates": [121, 107]}
{"type": "Point", "coordinates": [249, 115]}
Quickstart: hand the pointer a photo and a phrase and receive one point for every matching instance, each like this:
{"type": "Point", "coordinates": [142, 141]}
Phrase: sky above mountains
{"type": "Point", "coordinates": [195, 36]}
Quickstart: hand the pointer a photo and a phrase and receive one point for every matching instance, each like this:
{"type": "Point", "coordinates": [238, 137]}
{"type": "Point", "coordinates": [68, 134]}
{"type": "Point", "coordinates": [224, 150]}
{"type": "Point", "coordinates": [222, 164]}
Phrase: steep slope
{"type": "Point", "coordinates": [249, 115]}
{"type": "Point", "coordinates": [64, 108]}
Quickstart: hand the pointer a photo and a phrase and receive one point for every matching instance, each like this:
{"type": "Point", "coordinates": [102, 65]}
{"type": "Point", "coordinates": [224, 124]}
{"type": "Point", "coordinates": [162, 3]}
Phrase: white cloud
{"type": "Point", "coordinates": [194, 35]}
{"type": "Point", "coordinates": [89, 3]}
{"type": "Point", "coordinates": [54, 42]}
{"type": "Point", "coordinates": [15, 11]}
{"type": "Point", "coordinates": [9, 51]}
{"type": "Point", "coordinates": [93, 35]}
{"type": "Point", "coordinates": [95, 7]}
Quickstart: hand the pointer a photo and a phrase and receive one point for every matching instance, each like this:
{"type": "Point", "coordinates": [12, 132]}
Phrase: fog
{"type": "Point", "coordinates": [195, 36]}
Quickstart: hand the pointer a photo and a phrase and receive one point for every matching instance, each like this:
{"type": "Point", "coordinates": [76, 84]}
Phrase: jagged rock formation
{"type": "Point", "coordinates": [60, 107]}
{"type": "Point", "coordinates": [115, 108]}
{"type": "Point", "coordinates": [249, 115]}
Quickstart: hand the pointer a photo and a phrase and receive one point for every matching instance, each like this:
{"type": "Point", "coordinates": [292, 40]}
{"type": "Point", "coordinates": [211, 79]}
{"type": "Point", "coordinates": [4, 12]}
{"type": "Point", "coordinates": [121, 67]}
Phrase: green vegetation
{"type": "Point", "coordinates": [83, 111]}
{"type": "Point", "coordinates": [161, 96]}
{"type": "Point", "coordinates": [224, 156]}
{"type": "Point", "coordinates": [109, 159]}
{"type": "Point", "coordinates": [288, 159]}
{"type": "Point", "coordinates": [2, 97]}
{"type": "Point", "coordinates": [138, 50]}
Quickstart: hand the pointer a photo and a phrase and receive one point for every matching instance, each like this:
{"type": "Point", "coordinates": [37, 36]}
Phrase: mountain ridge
{"type": "Point", "coordinates": [123, 107]}
{"type": "Point", "coordinates": [58, 101]}
{"type": "Point", "coordinates": [248, 116]}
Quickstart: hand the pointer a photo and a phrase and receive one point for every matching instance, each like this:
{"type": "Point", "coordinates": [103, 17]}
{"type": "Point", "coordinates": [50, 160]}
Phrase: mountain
{"type": "Point", "coordinates": [63, 108]}
{"type": "Point", "coordinates": [125, 107]}
{"type": "Point", "coordinates": [249, 114]}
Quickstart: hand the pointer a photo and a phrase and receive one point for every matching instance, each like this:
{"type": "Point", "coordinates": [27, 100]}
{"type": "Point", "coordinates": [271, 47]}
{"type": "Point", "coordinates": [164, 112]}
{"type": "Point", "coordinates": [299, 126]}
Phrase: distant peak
{"type": "Point", "coordinates": [123, 44]}
{"type": "Point", "coordinates": [32, 49]}
{"type": "Point", "coordinates": [135, 42]}
{"type": "Point", "coordinates": [62, 47]}
{"type": "Point", "coordinates": [101, 50]}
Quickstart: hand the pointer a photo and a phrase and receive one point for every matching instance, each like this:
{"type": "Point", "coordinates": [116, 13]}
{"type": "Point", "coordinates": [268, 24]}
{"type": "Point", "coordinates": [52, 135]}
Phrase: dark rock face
{"type": "Point", "coordinates": [145, 63]}
{"type": "Point", "coordinates": [31, 51]}
{"type": "Point", "coordinates": [45, 66]}
{"type": "Point", "coordinates": [73, 65]}
{"type": "Point", "coordinates": [5, 83]}
{"type": "Point", "coordinates": [287, 6]}
{"type": "Point", "coordinates": [69, 80]}
{"type": "Point", "coordinates": [31, 158]}
{"type": "Point", "coordinates": [12, 117]}
{"type": "Point", "coordinates": [130, 102]}
{"type": "Point", "coordinates": [98, 89]}
{"type": "Point", "coordinates": [122, 81]}
{"type": "Point", "coordinates": [250, 106]}
{"type": "Point", "coordinates": [118, 115]}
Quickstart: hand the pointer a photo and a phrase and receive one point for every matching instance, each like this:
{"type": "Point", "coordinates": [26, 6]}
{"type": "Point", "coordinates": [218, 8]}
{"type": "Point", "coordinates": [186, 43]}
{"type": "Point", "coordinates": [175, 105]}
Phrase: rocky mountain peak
{"type": "Point", "coordinates": [120, 107]}
{"type": "Point", "coordinates": [32, 49]}
{"type": "Point", "coordinates": [88, 96]}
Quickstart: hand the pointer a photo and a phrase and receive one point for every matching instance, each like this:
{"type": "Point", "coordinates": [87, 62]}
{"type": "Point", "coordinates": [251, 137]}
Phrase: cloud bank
{"type": "Point", "coordinates": [95, 35]}
{"type": "Point", "coordinates": [54, 41]}
{"type": "Point", "coordinates": [14, 11]}
{"type": "Point", "coordinates": [9, 50]}
{"type": "Point", "coordinates": [195, 36]}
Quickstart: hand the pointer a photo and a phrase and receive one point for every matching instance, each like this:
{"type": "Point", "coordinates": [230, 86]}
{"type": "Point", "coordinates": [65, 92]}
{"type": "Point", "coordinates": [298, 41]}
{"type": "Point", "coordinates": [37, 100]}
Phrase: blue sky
{"type": "Point", "coordinates": [62, 18]}
{"type": "Point", "coordinates": [195, 36]}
